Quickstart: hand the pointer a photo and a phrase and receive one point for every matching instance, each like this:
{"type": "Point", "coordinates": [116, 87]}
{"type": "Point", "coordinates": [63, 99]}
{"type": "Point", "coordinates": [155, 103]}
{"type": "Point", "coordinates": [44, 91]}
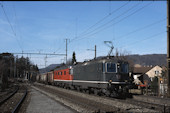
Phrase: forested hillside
{"type": "Point", "coordinates": [150, 59]}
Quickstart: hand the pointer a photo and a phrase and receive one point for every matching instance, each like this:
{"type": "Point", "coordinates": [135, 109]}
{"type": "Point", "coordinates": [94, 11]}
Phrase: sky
{"type": "Point", "coordinates": [133, 27]}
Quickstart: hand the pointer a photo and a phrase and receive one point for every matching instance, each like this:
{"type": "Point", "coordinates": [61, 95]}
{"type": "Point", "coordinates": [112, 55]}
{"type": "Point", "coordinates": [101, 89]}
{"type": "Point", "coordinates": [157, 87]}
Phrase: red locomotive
{"type": "Point", "coordinates": [63, 73]}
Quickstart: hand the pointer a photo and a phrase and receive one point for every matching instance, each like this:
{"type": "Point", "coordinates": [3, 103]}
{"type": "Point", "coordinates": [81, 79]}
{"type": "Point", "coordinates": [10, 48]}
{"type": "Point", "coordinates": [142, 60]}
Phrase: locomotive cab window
{"type": "Point", "coordinates": [124, 68]}
{"type": "Point", "coordinates": [111, 68]}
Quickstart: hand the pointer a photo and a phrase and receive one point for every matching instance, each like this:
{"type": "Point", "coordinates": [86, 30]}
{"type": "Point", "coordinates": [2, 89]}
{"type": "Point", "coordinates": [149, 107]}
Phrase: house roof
{"type": "Point", "coordinates": [141, 70]}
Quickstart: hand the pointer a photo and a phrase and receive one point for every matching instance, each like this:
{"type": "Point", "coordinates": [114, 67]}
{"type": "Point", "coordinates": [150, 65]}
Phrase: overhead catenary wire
{"type": "Point", "coordinates": [7, 19]}
{"type": "Point", "coordinates": [111, 20]}
{"type": "Point", "coordinates": [116, 22]}
{"type": "Point", "coordinates": [139, 41]}
{"type": "Point", "coordinates": [141, 28]}
{"type": "Point", "coordinates": [150, 37]}
{"type": "Point", "coordinates": [17, 24]}
{"type": "Point", "coordinates": [86, 32]}
{"type": "Point", "coordinates": [10, 25]}
{"type": "Point", "coordinates": [103, 25]}
{"type": "Point", "coordinates": [40, 54]}
{"type": "Point", "coordinates": [102, 20]}
{"type": "Point", "coordinates": [121, 19]}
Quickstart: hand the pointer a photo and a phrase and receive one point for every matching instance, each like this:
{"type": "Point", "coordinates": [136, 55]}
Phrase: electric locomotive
{"type": "Point", "coordinates": [104, 76]}
{"type": "Point", "coordinates": [63, 76]}
{"type": "Point", "coordinates": [109, 76]}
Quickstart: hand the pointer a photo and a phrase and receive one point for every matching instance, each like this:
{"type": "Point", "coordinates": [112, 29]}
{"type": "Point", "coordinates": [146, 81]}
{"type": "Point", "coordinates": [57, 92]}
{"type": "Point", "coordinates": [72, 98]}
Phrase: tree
{"type": "Point", "coordinates": [154, 85]}
{"type": "Point", "coordinates": [3, 75]}
{"type": "Point", "coordinates": [24, 66]}
{"type": "Point", "coordinates": [6, 64]}
{"type": "Point", "coordinates": [74, 58]}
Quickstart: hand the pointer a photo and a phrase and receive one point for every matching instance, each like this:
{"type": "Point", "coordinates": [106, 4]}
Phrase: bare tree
{"type": "Point", "coordinates": [3, 75]}
{"type": "Point", "coordinates": [124, 56]}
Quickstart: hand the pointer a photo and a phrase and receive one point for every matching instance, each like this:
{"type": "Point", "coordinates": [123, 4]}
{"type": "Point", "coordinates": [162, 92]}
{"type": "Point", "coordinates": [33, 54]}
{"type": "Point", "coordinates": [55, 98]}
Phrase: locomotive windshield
{"type": "Point", "coordinates": [124, 68]}
{"type": "Point", "coordinates": [111, 67]}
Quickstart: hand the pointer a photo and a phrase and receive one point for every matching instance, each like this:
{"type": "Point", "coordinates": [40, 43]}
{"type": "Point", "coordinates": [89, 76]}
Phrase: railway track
{"type": "Point", "coordinates": [13, 102]}
{"type": "Point", "coordinates": [93, 103]}
{"type": "Point", "coordinates": [87, 104]}
{"type": "Point", "coordinates": [5, 96]}
{"type": "Point", "coordinates": [155, 106]}
{"type": "Point", "coordinates": [158, 107]}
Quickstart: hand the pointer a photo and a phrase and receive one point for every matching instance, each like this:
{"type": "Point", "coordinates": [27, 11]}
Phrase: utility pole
{"type": "Point", "coordinates": [168, 47]}
{"type": "Point", "coordinates": [94, 51]}
{"type": "Point", "coordinates": [14, 67]}
{"type": "Point", "coordinates": [66, 49]}
{"type": "Point", "coordinates": [45, 59]}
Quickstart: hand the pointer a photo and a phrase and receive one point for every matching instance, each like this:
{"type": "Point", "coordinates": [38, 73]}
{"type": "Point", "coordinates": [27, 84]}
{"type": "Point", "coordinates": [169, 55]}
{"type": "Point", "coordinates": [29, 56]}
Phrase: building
{"type": "Point", "coordinates": [144, 77]}
{"type": "Point", "coordinates": [140, 76]}
{"type": "Point", "coordinates": [155, 71]}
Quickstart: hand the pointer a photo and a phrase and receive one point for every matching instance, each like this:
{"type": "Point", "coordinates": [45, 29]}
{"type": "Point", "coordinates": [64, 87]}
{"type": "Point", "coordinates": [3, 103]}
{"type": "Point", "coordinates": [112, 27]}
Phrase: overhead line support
{"type": "Point", "coordinates": [168, 46]}
{"type": "Point", "coordinates": [41, 54]}
{"type": "Point", "coordinates": [66, 49]}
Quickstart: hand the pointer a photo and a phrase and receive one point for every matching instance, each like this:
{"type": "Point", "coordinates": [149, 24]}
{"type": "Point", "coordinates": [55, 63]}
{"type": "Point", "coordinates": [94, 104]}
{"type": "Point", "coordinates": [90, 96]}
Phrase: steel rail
{"type": "Point", "coordinates": [4, 100]}
{"type": "Point", "coordinates": [155, 106]}
{"type": "Point", "coordinates": [17, 107]}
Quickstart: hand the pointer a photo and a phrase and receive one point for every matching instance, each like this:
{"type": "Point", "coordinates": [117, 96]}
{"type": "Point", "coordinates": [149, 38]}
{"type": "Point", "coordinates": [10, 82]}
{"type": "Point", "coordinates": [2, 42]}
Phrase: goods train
{"type": "Point", "coordinates": [104, 76]}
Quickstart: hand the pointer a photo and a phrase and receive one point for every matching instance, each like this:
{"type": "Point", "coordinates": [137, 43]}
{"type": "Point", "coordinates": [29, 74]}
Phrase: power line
{"type": "Point", "coordinates": [111, 20]}
{"type": "Point", "coordinates": [41, 54]}
{"type": "Point", "coordinates": [142, 28]}
{"type": "Point", "coordinates": [150, 37]}
{"type": "Point", "coordinates": [19, 30]}
{"type": "Point", "coordinates": [118, 21]}
{"type": "Point", "coordinates": [66, 49]}
{"type": "Point", "coordinates": [139, 29]}
{"type": "Point", "coordinates": [137, 42]}
{"type": "Point", "coordinates": [102, 19]}
{"type": "Point", "coordinates": [8, 19]}
{"type": "Point", "coordinates": [59, 47]}
{"type": "Point", "coordinates": [10, 25]}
